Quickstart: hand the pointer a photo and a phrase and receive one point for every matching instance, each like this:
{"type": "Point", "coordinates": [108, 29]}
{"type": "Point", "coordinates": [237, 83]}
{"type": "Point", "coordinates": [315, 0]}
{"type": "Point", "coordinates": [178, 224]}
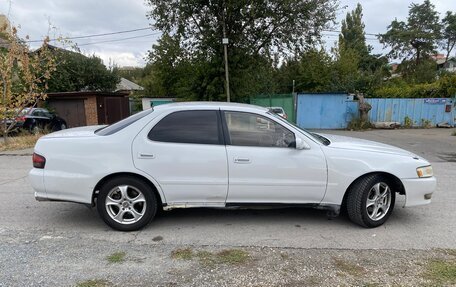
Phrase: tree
{"type": "Point", "coordinates": [77, 72]}
{"type": "Point", "coordinates": [352, 34]}
{"type": "Point", "coordinates": [255, 30]}
{"type": "Point", "coordinates": [449, 33]}
{"type": "Point", "coordinates": [418, 37]}
{"type": "Point", "coordinates": [24, 77]}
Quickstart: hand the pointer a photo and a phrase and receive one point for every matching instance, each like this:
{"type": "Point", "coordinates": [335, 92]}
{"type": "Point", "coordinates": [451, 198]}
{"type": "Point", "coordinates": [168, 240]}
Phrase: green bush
{"type": "Point", "coordinates": [445, 87]}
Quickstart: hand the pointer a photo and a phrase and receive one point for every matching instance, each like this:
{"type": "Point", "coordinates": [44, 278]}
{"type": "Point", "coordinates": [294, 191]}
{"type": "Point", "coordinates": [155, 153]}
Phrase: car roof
{"type": "Point", "coordinates": [210, 105]}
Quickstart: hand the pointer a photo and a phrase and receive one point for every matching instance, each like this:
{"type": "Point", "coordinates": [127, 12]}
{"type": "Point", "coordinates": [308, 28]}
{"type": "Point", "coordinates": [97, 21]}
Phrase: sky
{"type": "Point", "coordinates": [72, 18]}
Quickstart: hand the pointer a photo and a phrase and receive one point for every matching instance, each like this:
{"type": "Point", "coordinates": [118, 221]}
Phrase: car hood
{"type": "Point", "coordinates": [88, 131]}
{"type": "Point", "coordinates": [343, 142]}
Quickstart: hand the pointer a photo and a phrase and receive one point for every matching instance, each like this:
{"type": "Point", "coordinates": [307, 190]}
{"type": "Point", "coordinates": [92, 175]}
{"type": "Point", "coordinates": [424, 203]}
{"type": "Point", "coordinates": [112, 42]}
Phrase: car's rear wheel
{"type": "Point", "coordinates": [126, 203]}
{"type": "Point", "coordinates": [370, 200]}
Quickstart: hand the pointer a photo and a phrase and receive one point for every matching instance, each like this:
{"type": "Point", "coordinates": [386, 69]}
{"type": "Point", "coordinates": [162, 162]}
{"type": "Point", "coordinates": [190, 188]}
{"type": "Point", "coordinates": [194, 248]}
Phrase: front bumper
{"type": "Point", "coordinates": [418, 191]}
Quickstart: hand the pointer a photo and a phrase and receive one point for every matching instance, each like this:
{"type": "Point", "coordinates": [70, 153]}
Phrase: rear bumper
{"type": "Point", "coordinates": [36, 178]}
{"type": "Point", "coordinates": [418, 191]}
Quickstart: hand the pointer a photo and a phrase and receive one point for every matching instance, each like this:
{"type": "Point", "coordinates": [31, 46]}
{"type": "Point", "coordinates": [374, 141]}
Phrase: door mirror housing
{"type": "Point", "coordinates": [301, 144]}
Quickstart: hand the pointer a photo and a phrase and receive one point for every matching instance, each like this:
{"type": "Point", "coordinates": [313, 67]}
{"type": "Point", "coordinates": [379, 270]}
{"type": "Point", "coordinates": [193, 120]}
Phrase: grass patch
{"type": "Point", "coordinates": [94, 283]}
{"type": "Point", "coordinates": [348, 267]}
{"type": "Point", "coordinates": [21, 141]}
{"type": "Point", "coordinates": [453, 133]}
{"type": "Point", "coordinates": [232, 256]}
{"type": "Point", "coordinates": [206, 258]}
{"type": "Point", "coordinates": [184, 254]}
{"type": "Point", "coordinates": [116, 257]}
{"type": "Point", "coordinates": [441, 272]}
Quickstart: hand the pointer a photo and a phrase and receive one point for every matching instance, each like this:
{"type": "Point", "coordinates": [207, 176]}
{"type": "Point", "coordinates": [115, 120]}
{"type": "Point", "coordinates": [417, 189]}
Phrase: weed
{"type": "Point", "coordinates": [348, 267]}
{"type": "Point", "coordinates": [93, 283]}
{"type": "Point", "coordinates": [408, 122]}
{"type": "Point", "coordinates": [185, 254]}
{"type": "Point", "coordinates": [357, 124]}
{"type": "Point", "coordinates": [206, 258]}
{"type": "Point", "coordinates": [233, 256]}
{"type": "Point", "coordinates": [21, 141]}
{"type": "Point", "coordinates": [116, 257]}
{"type": "Point", "coordinates": [441, 272]}
{"type": "Point", "coordinates": [426, 123]}
{"type": "Point", "coordinates": [453, 133]}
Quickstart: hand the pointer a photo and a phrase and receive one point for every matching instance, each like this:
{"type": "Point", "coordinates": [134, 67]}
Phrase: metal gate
{"type": "Point", "coordinates": [325, 111]}
{"type": "Point", "coordinates": [286, 101]}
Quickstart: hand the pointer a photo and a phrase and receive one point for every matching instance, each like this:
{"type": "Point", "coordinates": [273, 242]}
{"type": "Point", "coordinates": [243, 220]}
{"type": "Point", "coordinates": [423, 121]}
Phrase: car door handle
{"type": "Point", "coordinates": [242, 160]}
{"type": "Point", "coordinates": [146, 155]}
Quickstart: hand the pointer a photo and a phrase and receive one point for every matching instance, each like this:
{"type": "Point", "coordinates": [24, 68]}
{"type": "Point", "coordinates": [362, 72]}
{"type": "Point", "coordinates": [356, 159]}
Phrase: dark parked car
{"type": "Point", "coordinates": [37, 119]}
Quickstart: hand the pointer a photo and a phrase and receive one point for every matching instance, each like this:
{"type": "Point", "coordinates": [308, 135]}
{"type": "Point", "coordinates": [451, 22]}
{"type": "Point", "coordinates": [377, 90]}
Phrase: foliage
{"type": "Point", "coordinates": [418, 37]}
{"type": "Point", "coordinates": [256, 32]}
{"type": "Point", "coordinates": [311, 72]}
{"type": "Point", "coordinates": [408, 122]}
{"type": "Point", "coordinates": [77, 72]}
{"type": "Point", "coordinates": [24, 77]}
{"type": "Point", "coordinates": [424, 71]}
{"type": "Point", "coordinates": [426, 123]}
{"type": "Point", "coordinates": [449, 32]}
{"type": "Point", "coordinates": [445, 87]}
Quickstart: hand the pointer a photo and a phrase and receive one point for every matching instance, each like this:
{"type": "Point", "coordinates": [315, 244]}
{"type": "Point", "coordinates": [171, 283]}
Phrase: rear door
{"type": "Point", "coordinates": [185, 153]}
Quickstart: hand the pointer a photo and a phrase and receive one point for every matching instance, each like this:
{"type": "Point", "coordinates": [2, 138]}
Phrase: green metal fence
{"type": "Point", "coordinates": [286, 101]}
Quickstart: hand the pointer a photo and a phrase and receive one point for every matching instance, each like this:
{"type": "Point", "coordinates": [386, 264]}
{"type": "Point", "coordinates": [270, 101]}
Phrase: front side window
{"type": "Point", "coordinates": [195, 127]}
{"type": "Point", "coordinates": [246, 129]}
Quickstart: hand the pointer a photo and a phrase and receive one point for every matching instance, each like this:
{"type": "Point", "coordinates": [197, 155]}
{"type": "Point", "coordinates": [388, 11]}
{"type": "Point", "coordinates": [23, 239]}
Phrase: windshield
{"type": "Point", "coordinates": [277, 110]}
{"type": "Point", "coordinates": [115, 127]}
{"type": "Point", "coordinates": [317, 137]}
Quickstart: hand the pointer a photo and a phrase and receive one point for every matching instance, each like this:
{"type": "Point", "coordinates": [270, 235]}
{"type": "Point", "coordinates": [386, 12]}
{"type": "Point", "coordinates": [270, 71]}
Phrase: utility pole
{"type": "Point", "coordinates": [225, 50]}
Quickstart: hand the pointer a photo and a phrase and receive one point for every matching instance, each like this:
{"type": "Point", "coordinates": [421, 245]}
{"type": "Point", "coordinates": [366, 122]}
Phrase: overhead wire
{"type": "Point", "coordinates": [94, 35]}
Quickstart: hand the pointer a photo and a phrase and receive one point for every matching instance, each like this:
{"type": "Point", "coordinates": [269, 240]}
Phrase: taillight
{"type": "Point", "coordinates": [20, 119]}
{"type": "Point", "coordinates": [38, 160]}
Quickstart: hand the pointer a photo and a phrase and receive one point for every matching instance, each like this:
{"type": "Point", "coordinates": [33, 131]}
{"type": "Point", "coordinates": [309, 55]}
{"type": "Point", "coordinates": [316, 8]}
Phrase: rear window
{"type": "Point", "coordinates": [115, 127]}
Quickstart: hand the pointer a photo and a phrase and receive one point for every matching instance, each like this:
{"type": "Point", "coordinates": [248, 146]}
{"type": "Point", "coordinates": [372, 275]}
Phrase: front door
{"type": "Point", "coordinates": [264, 167]}
{"type": "Point", "coordinates": [186, 154]}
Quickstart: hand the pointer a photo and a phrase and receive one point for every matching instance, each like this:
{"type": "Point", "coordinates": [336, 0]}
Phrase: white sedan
{"type": "Point", "coordinates": [222, 155]}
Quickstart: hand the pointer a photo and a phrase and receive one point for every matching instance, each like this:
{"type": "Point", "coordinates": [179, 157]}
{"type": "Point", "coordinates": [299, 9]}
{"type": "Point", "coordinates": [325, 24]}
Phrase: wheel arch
{"type": "Point", "coordinates": [397, 183]}
{"type": "Point", "coordinates": [100, 183]}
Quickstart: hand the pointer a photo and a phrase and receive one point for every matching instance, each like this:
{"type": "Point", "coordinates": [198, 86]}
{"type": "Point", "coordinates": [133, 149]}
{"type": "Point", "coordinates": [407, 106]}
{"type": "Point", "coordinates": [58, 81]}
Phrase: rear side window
{"type": "Point", "coordinates": [115, 127]}
{"type": "Point", "coordinates": [196, 127]}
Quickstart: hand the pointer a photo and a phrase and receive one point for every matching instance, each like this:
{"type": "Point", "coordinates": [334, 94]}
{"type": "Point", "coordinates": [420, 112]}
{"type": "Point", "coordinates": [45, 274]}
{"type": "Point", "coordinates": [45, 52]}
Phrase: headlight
{"type": "Point", "coordinates": [425, 171]}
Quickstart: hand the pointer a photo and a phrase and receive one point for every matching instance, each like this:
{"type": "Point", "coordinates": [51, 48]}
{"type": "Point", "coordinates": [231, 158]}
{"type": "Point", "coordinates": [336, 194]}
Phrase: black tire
{"type": "Point", "coordinates": [35, 129]}
{"type": "Point", "coordinates": [359, 194]}
{"type": "Point", "coordinates": [134, 186]}
{"type": "Point", "coordinates": [59, 127]}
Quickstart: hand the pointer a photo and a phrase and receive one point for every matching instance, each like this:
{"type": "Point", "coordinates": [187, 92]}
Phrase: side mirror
{"type": "Point", "coordinates": [301, 144]}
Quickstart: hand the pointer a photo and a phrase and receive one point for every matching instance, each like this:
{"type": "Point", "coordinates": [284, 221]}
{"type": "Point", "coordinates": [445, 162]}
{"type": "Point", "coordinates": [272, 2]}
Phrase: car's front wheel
{"type": "Point", "coordinates": [126, 203]}
{"type": "Point", "coordinates": [370, 200]}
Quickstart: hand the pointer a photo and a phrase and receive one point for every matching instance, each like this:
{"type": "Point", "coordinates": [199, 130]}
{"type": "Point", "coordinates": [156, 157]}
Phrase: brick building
{"type": "Point", "coordinates": [89, 108]}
